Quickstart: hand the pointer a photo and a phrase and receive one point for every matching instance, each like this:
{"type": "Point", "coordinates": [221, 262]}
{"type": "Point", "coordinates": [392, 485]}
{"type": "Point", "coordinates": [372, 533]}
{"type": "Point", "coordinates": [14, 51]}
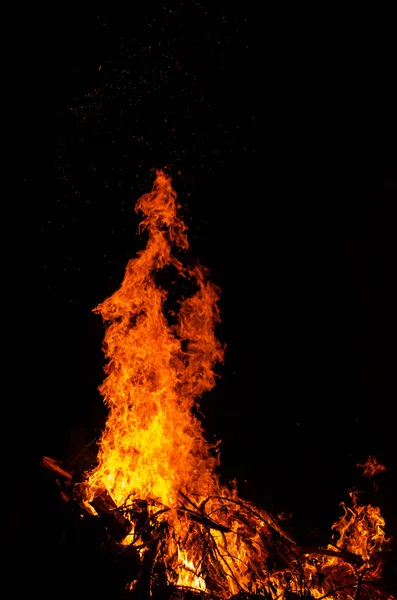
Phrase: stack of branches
{"type": "Point", "coordinates": [282, 557]}
{"type": "Point", "coordinates": [274, 555]}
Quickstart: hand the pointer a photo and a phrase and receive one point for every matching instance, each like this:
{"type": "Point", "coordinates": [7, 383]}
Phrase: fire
{"type": "Point", "coordinates": [154, 462]}
{"type": "Point", "coordinates": [361, 529]}
{"type": "Point", "coordinates": [372, 467]}
{"type": "Point", "coordinates": [188, 576]}
{"type": "Point", "coordinates": [153, 446]}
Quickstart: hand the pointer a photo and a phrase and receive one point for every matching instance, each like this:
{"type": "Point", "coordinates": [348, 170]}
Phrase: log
{"type": "Point", "coordinates": [53, 465]}
{"type": "Point", "coordinates": [115, 522]}
{"type": "Point", "coordinates": [113, 518]}
{"type": "Point", "coordinates": [348, 557]}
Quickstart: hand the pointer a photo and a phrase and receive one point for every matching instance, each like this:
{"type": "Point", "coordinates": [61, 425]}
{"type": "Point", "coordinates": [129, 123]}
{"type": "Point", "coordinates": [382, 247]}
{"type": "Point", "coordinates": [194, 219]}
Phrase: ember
{"type": "Point", "coordinates": [156, 475]}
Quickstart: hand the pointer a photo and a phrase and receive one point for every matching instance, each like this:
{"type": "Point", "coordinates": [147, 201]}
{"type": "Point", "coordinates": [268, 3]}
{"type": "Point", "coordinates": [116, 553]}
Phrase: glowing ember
{"type": "Point", "coordinates": [154, 462]}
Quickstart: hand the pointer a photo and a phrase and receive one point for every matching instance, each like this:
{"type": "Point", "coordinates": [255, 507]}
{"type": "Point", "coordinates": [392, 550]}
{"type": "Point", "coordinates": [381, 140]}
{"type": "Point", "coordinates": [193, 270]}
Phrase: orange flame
{"type": "Point", "coordinates": [153, 449]}
{"type": "Point", "coordinates": [360, 529]}
{"type": "Point", "coordinates": [153, 446]}
{"type": "Point", "coordinates": [188, 576]}
{"type": "Point", "coordinates": [371, 467]}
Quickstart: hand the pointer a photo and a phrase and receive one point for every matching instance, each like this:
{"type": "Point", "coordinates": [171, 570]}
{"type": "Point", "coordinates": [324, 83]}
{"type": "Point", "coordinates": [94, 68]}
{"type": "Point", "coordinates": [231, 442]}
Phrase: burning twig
{"type": "Point", "coordinates": [54, 466]}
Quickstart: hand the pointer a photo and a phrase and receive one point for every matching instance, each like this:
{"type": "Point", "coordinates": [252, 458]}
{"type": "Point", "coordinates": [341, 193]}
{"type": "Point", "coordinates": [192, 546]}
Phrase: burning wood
{"type": "Point", "coordinates": [54, 465]}
{"type": "Point", "coordinates": [155, 486]}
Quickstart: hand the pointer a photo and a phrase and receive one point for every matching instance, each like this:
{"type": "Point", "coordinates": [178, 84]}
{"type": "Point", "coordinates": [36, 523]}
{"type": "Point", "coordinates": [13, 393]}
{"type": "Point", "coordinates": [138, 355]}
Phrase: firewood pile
{"type": "Point", "coordinates": [137, 537]}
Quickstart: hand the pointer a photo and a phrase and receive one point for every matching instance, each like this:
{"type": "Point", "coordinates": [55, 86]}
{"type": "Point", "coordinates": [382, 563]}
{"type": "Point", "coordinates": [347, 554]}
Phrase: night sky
{"type": "Point", "coordinates": [278, 136]}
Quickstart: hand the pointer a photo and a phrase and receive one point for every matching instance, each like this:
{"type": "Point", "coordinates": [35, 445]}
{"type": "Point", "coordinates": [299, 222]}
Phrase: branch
{"type": "Point", "coordinates": [53, 465]}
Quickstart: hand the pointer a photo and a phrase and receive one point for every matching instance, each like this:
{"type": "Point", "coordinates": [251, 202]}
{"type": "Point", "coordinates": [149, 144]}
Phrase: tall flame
{"type": "Point", "coordinates": [153, 445]}
{"type": "Point", "coordinates": [153, 453]}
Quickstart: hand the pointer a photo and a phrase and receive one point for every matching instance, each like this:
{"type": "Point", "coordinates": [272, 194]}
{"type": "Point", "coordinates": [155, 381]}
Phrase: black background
{"type": "Point", "coordinates": [278, 134]}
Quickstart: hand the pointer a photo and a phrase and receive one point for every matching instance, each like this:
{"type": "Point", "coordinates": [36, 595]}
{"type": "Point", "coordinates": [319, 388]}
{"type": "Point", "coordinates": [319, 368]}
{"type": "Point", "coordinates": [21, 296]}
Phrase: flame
{"type": "Point", "coordinates": [354, 554]}
{"type": "Point", "coordinates": [153, 446]}
{"type": "Point", "coordinates": [361, 530]}
{"type": "Point", "coordinates": [153, 459]}
{"type": "Point", "coordinates": [371, 467]}
{"type": "Point", "coordinates": [188, 576]}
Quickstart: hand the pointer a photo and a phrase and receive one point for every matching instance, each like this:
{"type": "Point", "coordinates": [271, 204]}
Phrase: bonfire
{"type": "Point", "coordinates": [155, 488]}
